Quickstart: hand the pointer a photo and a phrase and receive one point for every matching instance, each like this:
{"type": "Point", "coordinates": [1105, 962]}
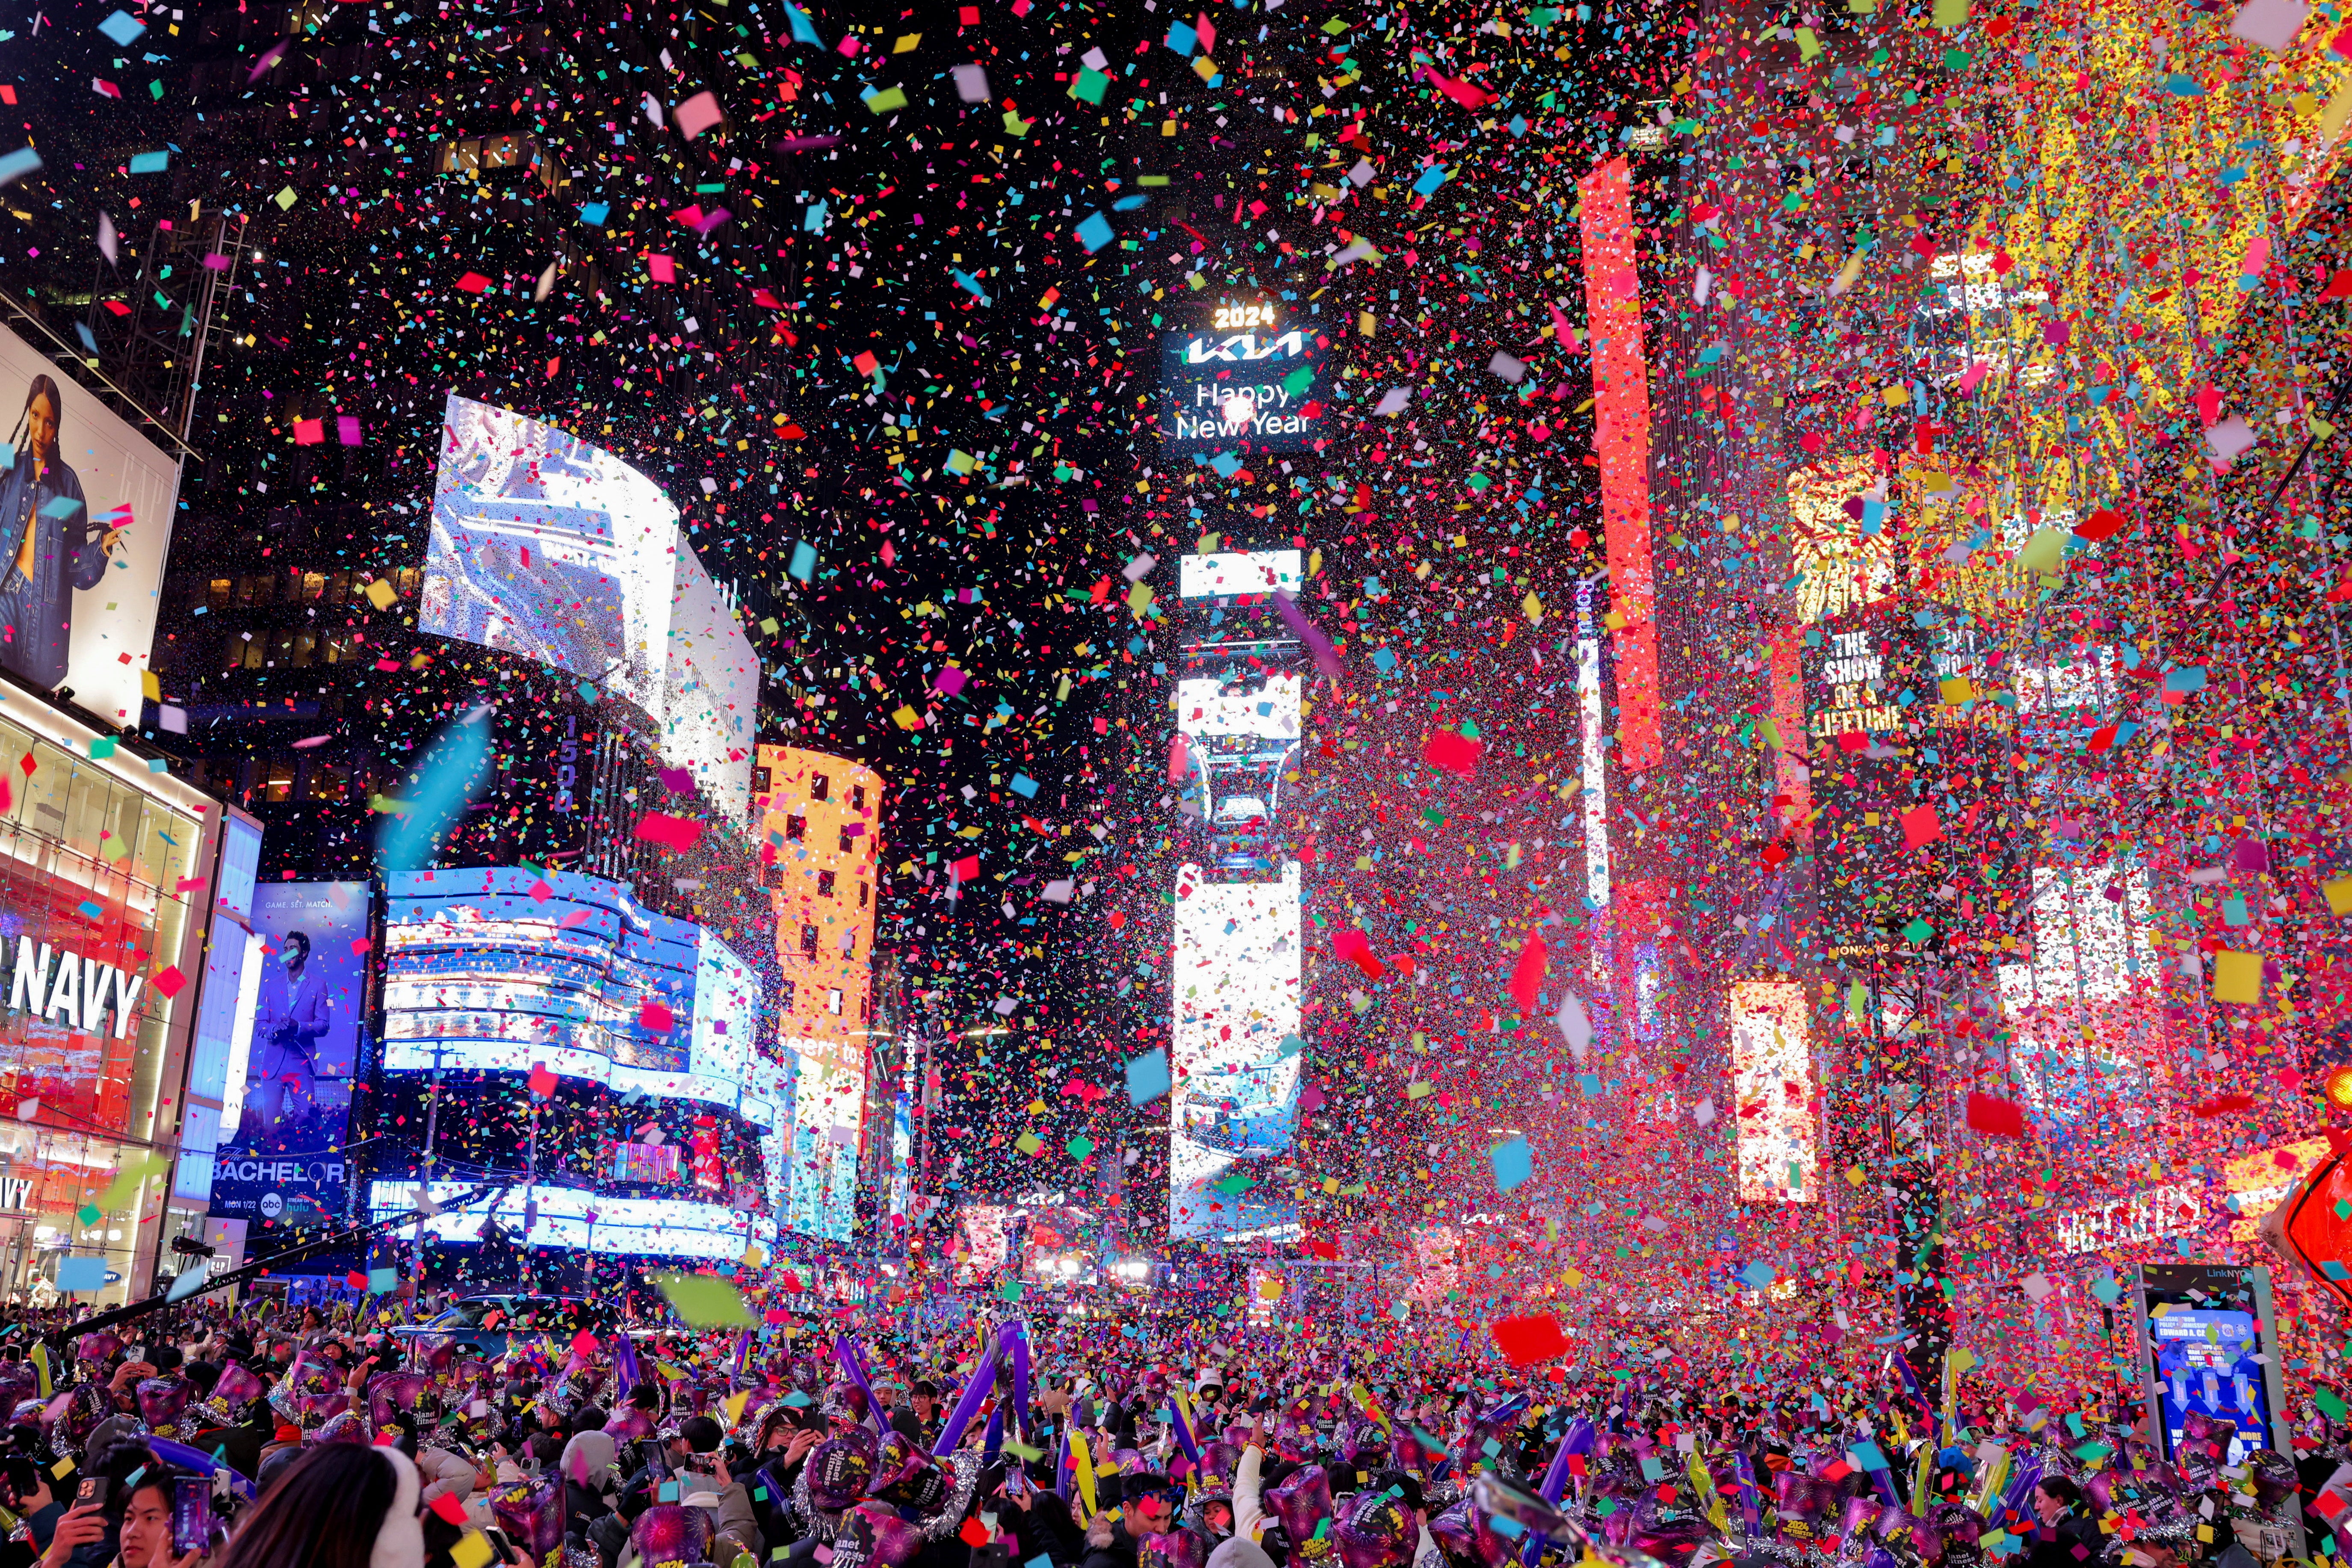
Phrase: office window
{"type": "Point", "coordinates": [339, 588]}
{"type": "Point", "coordinates": [772, 876]}
{"type": "Point", "coordinates": [857, 797]}
{"type": "Point", "coordinates": [861, 895]}
{"type": "Point", "coordinates": [759, 782]}
{"type": "Point", "coordinates": [808, 942]}
{"type": "Point", "coordinates": [219, 591]}
{"type": "Point", "coordinates": [314, 586]}
{"type": "Point", "coordinates": [305, 645]}
{"type": "Point", "coordinates": [832, 1001]}
{"type": "Point", "coordinates": [847, 843]}
{"type": "Point", "coordinates": [789, 989]}
{"type": "Point", "coordinates": [825, 884]}
{"type": "Point", "coordinates": [820, 787]}
{"type": "Point", "coordinates": [797, 828]}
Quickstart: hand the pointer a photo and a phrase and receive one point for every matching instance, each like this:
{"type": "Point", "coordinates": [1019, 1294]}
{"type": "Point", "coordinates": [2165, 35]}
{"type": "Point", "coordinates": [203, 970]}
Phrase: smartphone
{"type": "Point", "coordinates": [1016, 1483]}
{"type": "Point", "coordinates": [994, 1555]}
{"type": "Point", "coordinates": [651, 1451]}
{"type": "Point", "coordinates": [192, 1514]}
{"type": "Point", "coordinates": [93, 1492]}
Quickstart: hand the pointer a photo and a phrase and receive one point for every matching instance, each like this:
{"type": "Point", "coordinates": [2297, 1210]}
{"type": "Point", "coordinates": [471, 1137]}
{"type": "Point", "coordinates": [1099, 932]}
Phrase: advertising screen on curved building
{"type": "Point", "coordinates": [546, 546]}
{"type": "Point", "coordinates": [502, 969]}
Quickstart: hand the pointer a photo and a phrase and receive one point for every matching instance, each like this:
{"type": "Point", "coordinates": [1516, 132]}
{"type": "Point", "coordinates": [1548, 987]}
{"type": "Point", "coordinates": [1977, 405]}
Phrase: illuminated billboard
{"type": "Point", "coordinates": [1238, 572]}
{"type": "Point", "coordinates": [86, 503]}
{"type": "Point", "coordinates": [1772, 1085]}
{"type": "Point", "coordinates": [828, 1119]}
{"type": "Point", "coordinates": [294, 1043]}
{"type": "Point", "coordinates": [1234, 1111]}
{"type": "Point", "coordinates": [499, 968]}
{"type": "Point", "coordinates": [1621, 445]}
{"type": "Point", "coordinates": [546, 546]}
{"type": "Point", "coordinates": [2086, 1011]}
{"type": "Point", "coordinates": [820, 820]}
{"type": "Point", "coordinates": [578, 1220]}
{"type": "Point", "coordinates": [1250, 379]}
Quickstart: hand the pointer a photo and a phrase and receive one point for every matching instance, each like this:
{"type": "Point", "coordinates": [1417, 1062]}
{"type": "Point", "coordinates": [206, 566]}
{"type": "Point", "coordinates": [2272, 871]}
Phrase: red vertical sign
{"type": "Point", "coordinates": [1620, 393]}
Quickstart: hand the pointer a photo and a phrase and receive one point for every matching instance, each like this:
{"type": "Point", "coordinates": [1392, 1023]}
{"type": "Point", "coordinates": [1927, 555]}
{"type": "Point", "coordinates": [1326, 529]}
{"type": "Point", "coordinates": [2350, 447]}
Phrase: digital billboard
{"type": "Point", "coordinates": [1621, 446]}
{"type": "Point", "coordinates": [293, 1046]}
{"type": "Point", "coordinates": [1235, 1061]}
{"type": "Point", "coordinates": [574, 1219]}
{"type": "Point", "coordinates": [1772, 1085]}
{"type": "Point", "coordinates": [1250, 380]}
{"type": "Point", "coordinates": [503, 968]}
{"type": "Point", "coordinates": [546, 546]}
{"type": "Point", "coordinates": [86, 505]}
{"type": "Point", "coordinates": [828, 1118]}
{"type": "Point", "coordinates": [2086, 1011]}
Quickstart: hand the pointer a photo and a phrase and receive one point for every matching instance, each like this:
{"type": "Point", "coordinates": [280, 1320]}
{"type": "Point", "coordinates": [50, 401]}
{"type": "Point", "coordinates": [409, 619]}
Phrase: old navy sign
{"type": "Point", "coordinates": [66, 988]}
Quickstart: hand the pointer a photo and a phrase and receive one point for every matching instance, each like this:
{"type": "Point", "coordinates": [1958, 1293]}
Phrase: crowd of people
{"type": "Point", "coordinates": [257, 1437]}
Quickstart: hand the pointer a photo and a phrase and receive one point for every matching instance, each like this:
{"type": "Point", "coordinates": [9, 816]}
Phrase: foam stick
{"type": "Point", "coordinates": [1576, 1439]}
{"type": "Point", "coordinates": [967, 1404]}
{"type": "Point", "coordinates": [853, 1362]}
{"type": "Point", "coordinates": [1082, 1472]}
{"type": "Point", "coordinates": [1183, 1430]}
{"type": "Point", "coordinates": [1751, 1506]}
{"type": "Point", "coordinates": [1061, 1465]}
{"type": "Point", "coordinates": [1012, 1336]}
{"type": "Point", "coordinates": [991, 1441]}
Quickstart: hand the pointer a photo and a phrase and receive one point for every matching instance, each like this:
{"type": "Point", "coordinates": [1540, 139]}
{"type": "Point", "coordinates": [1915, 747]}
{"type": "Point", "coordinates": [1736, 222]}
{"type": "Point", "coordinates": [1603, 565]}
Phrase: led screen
{"type": "Point", "coordinates": [2209, 1362]}
{"type": "Point", "coordinates": [501, 968]}
{"type": "Point", "coordinates": [97, 497]}
{"type": "Point", "coordinates": [828, 1116]}
{"type": "Point", "coordinates": [1621, 395]}
{"type": "Point", "coordinates": [300, 1026]}
{"type": "Point", "coordinates": [548, 547]}
{"type": "Point", "coordinates": [1772, 1082]}
{"type": "Point", "coordinates": [1237, 572]}
{"type": "Point", "coordinates": [1235, 1059]}
{"type": "Point", "coordinates": [571, 1218]}
{"type": "Point", "coordinates": [1232, 386]}
{"type": "Point", "coordinates": [2086, 1012]}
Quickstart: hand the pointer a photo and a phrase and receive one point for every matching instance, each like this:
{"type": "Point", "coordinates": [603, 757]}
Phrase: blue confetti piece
{"type": "Point", "coordinates": [16, 165]}
{"type": "Point", "coordinates": [122, 27]}
{"type": "Point", "coordinates": [1514, 1163]}
{"type": "Point", "coordinates": [1024, 786]}
{"type": "Point", "coordinates": [813, 221]}
{"type": "Point", "coordinates": [1183, 38]}
{"type": "Point", "coordinates": [1758, 1275]}
{"type": "Point", "coordinates": [1127, 204]}
{"type": "Point", "coordinates": [1093, 231]}
{"type": "Point", "coordinates": [803, 561]}
{"type": "Point", "coordinates": [1226, 464]}
{"type": "Point", "coordinates": [90, 910]}
{"type": "Point", "coordinates": [1383, 660]}
{"type": "Point", "coordinates": [150, 162]}
{"type": "Point", "coordinates": [593, 213]}
{"type": "Point", "coordinates": [79, 1274]}
{"type": "Point", "coordinates": [1147, 1076]}
{"type": "Point", "coordinates": [1431, 178]}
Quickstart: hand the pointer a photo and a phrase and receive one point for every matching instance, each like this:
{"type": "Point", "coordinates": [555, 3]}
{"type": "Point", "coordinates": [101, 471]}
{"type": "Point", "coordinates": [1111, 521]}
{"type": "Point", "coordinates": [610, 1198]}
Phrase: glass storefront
{"type": "Point", "coordinates": [105, 871]}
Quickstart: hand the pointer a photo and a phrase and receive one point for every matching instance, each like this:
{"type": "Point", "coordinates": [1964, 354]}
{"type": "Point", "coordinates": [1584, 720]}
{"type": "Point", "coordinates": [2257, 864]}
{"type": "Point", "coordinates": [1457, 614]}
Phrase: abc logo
{"type": "Point", "coordinates": [272, 1205]}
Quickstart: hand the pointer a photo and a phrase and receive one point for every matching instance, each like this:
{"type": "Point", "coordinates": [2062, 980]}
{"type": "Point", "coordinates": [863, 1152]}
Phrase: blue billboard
{"type": "Point", "coordinates": [506, 969]}
{"type": "Point", "coordinates": [294, 1041]}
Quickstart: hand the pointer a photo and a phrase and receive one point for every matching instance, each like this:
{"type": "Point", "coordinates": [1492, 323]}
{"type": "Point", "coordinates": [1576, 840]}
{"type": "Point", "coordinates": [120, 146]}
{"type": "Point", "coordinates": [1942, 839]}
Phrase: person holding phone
{"type": "Point", "coordinates": [146, 1538]}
